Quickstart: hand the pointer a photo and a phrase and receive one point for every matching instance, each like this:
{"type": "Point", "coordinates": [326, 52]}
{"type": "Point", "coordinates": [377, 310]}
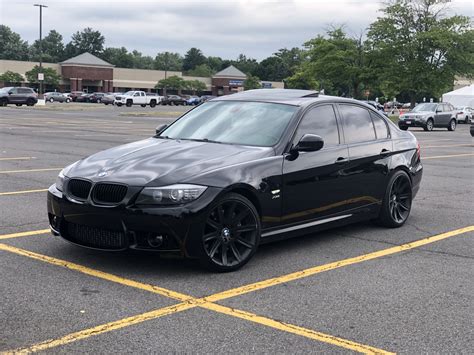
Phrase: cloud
{"type": "Point", "coordinates": [219, 28]}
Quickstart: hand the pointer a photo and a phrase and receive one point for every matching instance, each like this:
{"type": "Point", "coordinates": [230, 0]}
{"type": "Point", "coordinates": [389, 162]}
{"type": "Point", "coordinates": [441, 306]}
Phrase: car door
{"type": "Point", "coordinates": [370, 148]}
{"type": "Point", "coordinates": [441, 116]}
{"type": "Point", "coordinates": [314, 183]}
{"type": "Point", "coordinates": [13, 96]}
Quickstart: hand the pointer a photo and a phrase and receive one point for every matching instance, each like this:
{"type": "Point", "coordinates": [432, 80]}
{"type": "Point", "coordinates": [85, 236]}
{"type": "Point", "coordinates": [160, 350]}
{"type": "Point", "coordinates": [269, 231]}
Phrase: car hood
{"type": "Point", "coordinates": [159, 162]}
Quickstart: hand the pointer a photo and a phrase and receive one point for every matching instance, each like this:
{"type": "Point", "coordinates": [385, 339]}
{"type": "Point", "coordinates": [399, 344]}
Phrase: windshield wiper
{"type": "Point", "coordinates": [200, 140]}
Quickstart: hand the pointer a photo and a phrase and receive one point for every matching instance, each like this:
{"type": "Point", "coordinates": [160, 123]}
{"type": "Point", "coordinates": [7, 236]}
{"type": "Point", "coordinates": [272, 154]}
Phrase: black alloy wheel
{"type": "Point", "coordinates": [231, 234]}
{"type": "Point", "coordinates": [30, 102]}
{"type": "Point", "coordinates": [129, 103]}
{"type": "Point", "coordinates": [452, 125]}
{"type": "Point", "coordinates": [396, 205]}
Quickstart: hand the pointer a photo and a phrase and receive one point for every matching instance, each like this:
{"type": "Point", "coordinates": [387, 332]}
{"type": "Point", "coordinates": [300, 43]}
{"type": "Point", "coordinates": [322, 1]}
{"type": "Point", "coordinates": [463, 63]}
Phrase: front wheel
{"type": "Point", "coordinates": [396, 205]}
{"type": "Point", "coordinates": [429, 125]}
{"type": "Point", "coordinates": [129, 103]}
{"type": "Point", "coordinates": [51, 100]}
{"type": "Point", "coordinates": [231, 234]}
{"type": "Point", "coordinates": [152, 103]}
{"type": "Point", "coordinates": [403, 128]}
{"type": "Point", "coordinates": [68, 101]}
{"type": "Point", "coordinates": [143, 105]}
{"type": "Point", "coordinates": [452, 125]}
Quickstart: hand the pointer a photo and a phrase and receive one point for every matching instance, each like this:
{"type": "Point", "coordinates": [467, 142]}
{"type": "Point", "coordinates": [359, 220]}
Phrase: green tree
{"type": "Point", "coordinates": [51, 76]}
{"type": "Point", "coordinates": [252, 82]}
{"type": "Point", "coordinates": [272, 68]}
{"type": "Point", "coordinates": [11, 77]}
{"type": "Point", "coordinates": [202, 70]}
{"type": "Point", "coordinates": [193, 58]}
{"type": "Point", "coordinates": [118, 57]}
{"type": "Point", "coordinates": [195, 86]}
{"type": "Point", "coordinates": [142, 62]}
{"type": "Point", "coordinates": [169, 61]}
{"type": "Point", "coordinates": [215, 63]}
{"type": "Point", "coordinates": [173, 82]}
{"type": "Point", "coordinates": [291, 58]}
{"type": "Point", "coordinates": [302, 80]}
{"type": "Point", "coordinates": [244, 64]}
{"type": "Point", "coordinates": [87, 40]}
{"type": "Point", "coordinates": [52, 47]}
{"type": "Point", "coordinates": [419, 49]}
{"type": "Point", "coordinates": [12, 47]}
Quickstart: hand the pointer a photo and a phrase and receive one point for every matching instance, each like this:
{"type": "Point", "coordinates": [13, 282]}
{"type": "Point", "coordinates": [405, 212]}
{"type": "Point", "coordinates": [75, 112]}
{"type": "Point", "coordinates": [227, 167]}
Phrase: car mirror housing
{"type": "Point", "coordinates": [160, 128]}
{"type": "Point", "coordinates": [309, 143]}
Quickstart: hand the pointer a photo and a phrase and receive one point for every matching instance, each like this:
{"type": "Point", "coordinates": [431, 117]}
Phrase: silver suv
{"type": "Point", "coordinates": [428, 116]}
{"type": "Point", "coordinates": [18, 96]}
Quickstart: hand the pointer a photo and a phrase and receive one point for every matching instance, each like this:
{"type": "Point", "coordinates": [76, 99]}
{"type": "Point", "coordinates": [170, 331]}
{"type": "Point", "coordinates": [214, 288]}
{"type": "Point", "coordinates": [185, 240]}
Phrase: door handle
{"type": "Point", "coordinates": [385, 152]}
{"type": "Point", "coordinates": [342, 160]}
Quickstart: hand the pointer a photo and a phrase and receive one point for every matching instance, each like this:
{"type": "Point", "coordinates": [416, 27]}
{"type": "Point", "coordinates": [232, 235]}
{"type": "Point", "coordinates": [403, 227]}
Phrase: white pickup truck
{"type": "Point", "coordinates": [137, 98]}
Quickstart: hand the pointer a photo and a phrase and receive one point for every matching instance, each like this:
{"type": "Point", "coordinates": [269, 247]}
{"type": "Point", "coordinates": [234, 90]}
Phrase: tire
{"type": "Point", "coordinates": [467, 121]}
{"type": "Point", "coordinates": [152, 103]}
{"type": "Point", "coordinates": [185, 103]}
{"type": "Point", "coordinates": [404, 128]}
{"type": "Point", "coordinates": [142, 105]}
{"type": "Point", "coordinates": [4, 101]}
{"type": "Point", "coordinates": [106, 103]}
{"type": "Point", "coordinates": [51, 100]}
{"type": "Point", "coordinates": [396, 205]}
{"type": "Point", "coordinates": [129, 103]}
{"type": "Point", "coordinates": [172, 103]}
{"type": "Point", "coordinates": [119, 104]}
{"type": "Point", "coordinates": [223, 247]}
{"type": "Point", "coordinates": [452, 125]}
{"type": "Point", "coordinates": [30, 102]}
{"type": "Point", "coordinates": [429, 125]}
{"type": "Point", "coordinates": [68, 101]}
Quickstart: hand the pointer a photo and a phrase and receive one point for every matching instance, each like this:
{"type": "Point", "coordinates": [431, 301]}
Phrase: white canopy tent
{"type": "Point", "coordinates": [460, 97]}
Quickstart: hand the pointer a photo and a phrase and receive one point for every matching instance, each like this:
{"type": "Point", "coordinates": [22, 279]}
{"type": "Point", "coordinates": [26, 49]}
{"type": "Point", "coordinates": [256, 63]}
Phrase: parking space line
{"type": "Point", "coordinates": [335, 265]}
{"type": "Point", "coordinates": [188, 302]}
{"type": "Point", "coordinates": [17, 158]}
{"type": "Point", "coordinates": [447, 156]}
{"type": "Point", "coordinates": [294, 329]}
{"type": "Point", "coordinates": [24, 234]}
{"type": "Point", "coordinates": [21, 192]}
{"type": "Point", "coordinates": [103, 328]}
{"type": "Point", "coordinates": [28, 170]}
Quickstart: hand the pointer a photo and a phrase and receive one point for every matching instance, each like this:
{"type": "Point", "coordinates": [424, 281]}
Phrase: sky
{"type": "Point", "coordinates": [223, 28]}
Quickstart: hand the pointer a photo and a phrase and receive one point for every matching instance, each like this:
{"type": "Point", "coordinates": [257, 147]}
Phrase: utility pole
{"type": "Point", "coordinates": [40, 73]}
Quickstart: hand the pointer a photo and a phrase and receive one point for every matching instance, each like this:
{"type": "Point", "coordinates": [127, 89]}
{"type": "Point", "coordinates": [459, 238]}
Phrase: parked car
{"type": "Point", "coordinates": [18, 96]}
{"type": "Point", "coordinates": [193, 100]}
{"type": "Point", "coordinates": [137, 98]}
{"type": "Point", "coordinates": [376, 105]}
{"type": "Point", "coordinates": [83, 98]}
{"type": "Point", "coordinates": [205, 98]}
{"type": "Point", "coordinates": [464, 114]}
{"type": "Point", "coordinates": [389, 105]}
{"type": "Point", "coordinates": [428, 116]}
{"type": "Point", "coordinates": [173, 100]}
{"type": "Point", "coordinates": [56, 96]}
{"type": "Point", "coordinates": [96, 97]}
{"type": "Point", "coordinates": [239, 171]}
{"type": "Point", "coordinates": [75, 94]}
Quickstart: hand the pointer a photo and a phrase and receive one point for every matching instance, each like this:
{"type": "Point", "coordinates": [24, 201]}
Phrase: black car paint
{"type": "Point", "coordinates": [275, 179]}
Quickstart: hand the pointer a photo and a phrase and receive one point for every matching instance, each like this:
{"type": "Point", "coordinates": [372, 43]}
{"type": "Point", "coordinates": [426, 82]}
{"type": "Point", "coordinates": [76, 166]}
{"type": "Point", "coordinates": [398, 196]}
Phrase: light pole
{"type": "Point", "coordinates": [40, 73]}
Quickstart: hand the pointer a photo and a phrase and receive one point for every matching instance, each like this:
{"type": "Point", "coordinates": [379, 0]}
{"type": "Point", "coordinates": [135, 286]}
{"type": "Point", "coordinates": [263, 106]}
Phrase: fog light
{"type": "Point", "coordinates": [155, 241]}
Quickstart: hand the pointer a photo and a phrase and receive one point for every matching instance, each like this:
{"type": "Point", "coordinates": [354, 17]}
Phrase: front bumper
{"type": "Point", "coordinates": [129, 226]}
{"type": "Point", "coordinates": [412, 122]}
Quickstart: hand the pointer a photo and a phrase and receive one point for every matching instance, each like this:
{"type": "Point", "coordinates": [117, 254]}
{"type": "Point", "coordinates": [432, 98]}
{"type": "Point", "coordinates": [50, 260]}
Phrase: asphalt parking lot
{"type": "Point", "coordinates": [360, 288]}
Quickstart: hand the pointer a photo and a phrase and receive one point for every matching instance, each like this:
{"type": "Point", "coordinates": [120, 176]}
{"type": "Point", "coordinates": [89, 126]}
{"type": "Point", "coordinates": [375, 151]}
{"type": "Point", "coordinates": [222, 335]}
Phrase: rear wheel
{"type": "Point", "coordinates": [231, 234]}
{"type": "Point", "coordinates": [68, 100]}
{"type": "Point", "coordinates": [119, 104]}
{"type": "Point", "coordinates": [429, 125]}
{"type": "Point", "coordinates": [404, 128]}
{"type": "Point", "coordinates": [51, 100]}
{"type": "Point", "coordinates": [30, 102]}
{"type": "Point", "coordinates": [396, 205]}
{"type": "Point", "coordinates": [452, 125]}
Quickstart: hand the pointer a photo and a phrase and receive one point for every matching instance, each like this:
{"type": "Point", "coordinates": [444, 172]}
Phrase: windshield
{"type": "Point", "coordinates": [425, 107]}
{"type": "Point", "coordinates": [236, 122]}
{"type": "Point", "coordinates": [129, 93]}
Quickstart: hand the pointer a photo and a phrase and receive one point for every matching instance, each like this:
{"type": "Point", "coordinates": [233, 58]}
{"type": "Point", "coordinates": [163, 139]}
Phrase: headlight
{"type": "Point", "coordinates": [170, 195]}
{"type": "Point", "coordinates": [60, 181]}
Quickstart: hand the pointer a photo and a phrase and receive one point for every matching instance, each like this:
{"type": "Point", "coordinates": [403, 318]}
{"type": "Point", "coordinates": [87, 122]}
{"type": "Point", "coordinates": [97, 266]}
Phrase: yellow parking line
{"type": "Point", "coordinates": [188, 302]}
{"type": "Point", "coordinates": [103, 328]}
{"type": "Point", "coordinates": [294, 329]}
{"type": "Point", "coordinates": [17, 158]}
{"type": "Point", "coordinates": [24, 234]}
{"type": "Point", "coordinates": [447, 156]}
{"type": "Point", "coordinates": [21, 192]}
{"type": "Point", "coordinates": [335, 265]}
{"type": "Point", "coordinates": [28, 170]}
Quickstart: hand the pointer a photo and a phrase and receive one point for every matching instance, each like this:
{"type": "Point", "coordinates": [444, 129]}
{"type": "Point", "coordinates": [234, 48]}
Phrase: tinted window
{"type": "Point", "coordinates": [320, 120]}
{"type": "Point", "coordinates": [23, 91]}
{"type": "Point", "coordinates": [381, 128]}
{"type": "Point", "coordinates": [358, 126]}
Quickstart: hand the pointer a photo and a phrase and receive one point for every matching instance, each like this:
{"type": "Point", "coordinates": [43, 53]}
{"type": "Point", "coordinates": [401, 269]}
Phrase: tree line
{"type": "Point", "coordinates": [413, 50]}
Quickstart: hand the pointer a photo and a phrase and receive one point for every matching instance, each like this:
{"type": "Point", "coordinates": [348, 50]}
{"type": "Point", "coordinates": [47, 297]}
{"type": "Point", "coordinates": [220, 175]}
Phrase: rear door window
{"type": "Point", "coordinates": [381, 128]}
{"type": "Point", "coordinates": [358, 126]}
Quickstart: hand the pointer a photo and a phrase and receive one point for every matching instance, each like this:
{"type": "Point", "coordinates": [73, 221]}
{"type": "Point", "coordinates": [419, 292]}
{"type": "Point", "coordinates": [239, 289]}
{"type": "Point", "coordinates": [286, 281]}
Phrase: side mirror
{"type": "Point", "coordinates": [438, 111]}
{"type": "Point", "coordinates": [10, 92]}
{"type": "Point", "coordinates": [160, 128]}
{"type": "Point", "coordinates": [309, 143]}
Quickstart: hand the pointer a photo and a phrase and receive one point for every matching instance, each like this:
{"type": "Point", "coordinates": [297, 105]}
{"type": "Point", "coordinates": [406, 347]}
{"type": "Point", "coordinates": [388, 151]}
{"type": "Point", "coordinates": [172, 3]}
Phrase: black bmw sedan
{"type": "Point", "coordinates": [239, 171]}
